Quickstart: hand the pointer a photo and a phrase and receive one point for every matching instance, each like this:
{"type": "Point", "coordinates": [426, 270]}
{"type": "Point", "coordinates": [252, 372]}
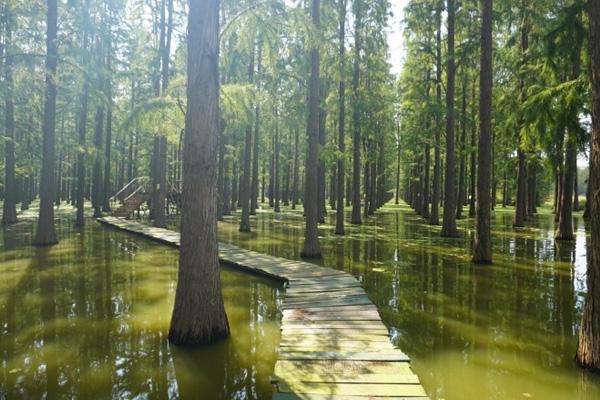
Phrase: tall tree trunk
{"type": "Point", "coordinates": [356, 217]}
{"type": "Point", "coordinates": [97, 198]}
{"type": "Point", "coordinates": [276, 177]}
{"type": "Point", "coordinates": [588, 349]}
{"type": "Point", "coordinates": [295, 174]}
{"type": "Point", "coordinates": [199, 313]}
{"type": "Point", "coordinates": [449, 221]}
{"type": "Point", "coordinates": [576, 191]}
{"type": "Point", "coordinates": [341, 164]}
{"type": "Point", "coordinates": [311, 248]}
{"type": "Point", "coordinates": [256, 152]}
{"type": "Point", "coordinates": [588, 197]}
{"type": "Point", "coordinates": [245, 186]}
{"type": "Point", "coordinates": [434, 217]}
{"type": "Point", "coordinates": [462, 177]}
{"type": "Point", "coordinates": [161, 195]}
{"type": "Point", "coordinates": [321, 210]}
{"type": "Point", "coordinates": [565, 222]}
{"type": "Point", "coordinates": [107, 149]}
{"type": "Point", "coordinates": [482, 251]}
{"type": "Point", "coordinates": [9, 209]}
{"type": "Point", "coordinates": [521, 202]}
{"type": "Point", "coordinates": [473, 156]}
{"type": "Point", "coordinates": [398, 154]}
{"type": "Point", "coordinates": [46, 232]}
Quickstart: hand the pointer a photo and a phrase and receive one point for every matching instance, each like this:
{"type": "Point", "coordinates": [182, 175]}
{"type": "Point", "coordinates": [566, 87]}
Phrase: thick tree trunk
{"type": "Point", "coordinates": [449, 221]}
{"type": "Point", "coordinates": [199, 313]}
{"type": "Point", "coordinates": [356, 217]}
{"type": "Point", "coordinates": [9, 209]}
{"type": "Point", "coordinates": [588, 349]}
{"type": "Point", "coordinates": [482, 251]}
{"type": "Point", "coordinates": [312, 248]}
{"type": "Point", "coordinates": [46, 232]}
{"type": "Point", "coordinates": [434, 217]}
{"type": "Point", "coordinates": [341, 164]}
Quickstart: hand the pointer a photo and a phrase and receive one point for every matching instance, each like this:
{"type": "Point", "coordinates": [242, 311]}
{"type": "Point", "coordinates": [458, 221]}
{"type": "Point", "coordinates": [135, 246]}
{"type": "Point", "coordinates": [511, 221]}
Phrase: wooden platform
{"type": "Point", "coordinates": [333, 343]}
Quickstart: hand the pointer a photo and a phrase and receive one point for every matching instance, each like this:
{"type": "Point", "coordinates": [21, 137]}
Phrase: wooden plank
{"type": "Point", "coordinates": [340, 334]}
{"type": "Point", "coordinates": [344, 355]}
{"type": "Point", "coordinates": [351, 389]}
{"type": "Point", "coordinates": [341, 302]}
{"type": "Point", "coordinates": [335, 325]}
{"type": "Point", "coordinates": [311, 344]}
{"type": "Point", "coordinates": [297, 314]}
{"type": "Point", "coordinates": [313, 396]}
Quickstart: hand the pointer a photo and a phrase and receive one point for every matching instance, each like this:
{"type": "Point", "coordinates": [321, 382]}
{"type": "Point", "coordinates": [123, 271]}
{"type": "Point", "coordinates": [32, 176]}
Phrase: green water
{"type": "Point", "coordinates": [506, 331]}
{"type": "Point", "coordinates": [88, 319]}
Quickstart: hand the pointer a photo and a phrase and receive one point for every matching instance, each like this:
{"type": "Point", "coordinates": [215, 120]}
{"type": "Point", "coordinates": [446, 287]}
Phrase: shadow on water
{"type": "Point", "coordinates": [89, 318]}
{"type": "Point", "coordinates": [506, 331]}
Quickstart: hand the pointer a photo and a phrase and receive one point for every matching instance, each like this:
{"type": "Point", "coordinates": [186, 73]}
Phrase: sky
{"type": "Point", "coordinates": [395, 38]}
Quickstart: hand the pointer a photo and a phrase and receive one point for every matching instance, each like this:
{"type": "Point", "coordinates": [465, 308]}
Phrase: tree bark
{"type": "Point", "coordinates": [256, 152]}
{"type": "Point", "coordinates": [245, 186]}
{"type": "Point", "coordinates": [295, 175]}
{"type": "Point", "coordinates": [199, 313]}
{"type": "Point", "coordinates": [449, 221]}
{"type": "Point", "coordinates": [482, 251]}
{"type": "Point", "coordinates": [588, 349]}
{"type": "Point", "coordinates": [9, 208]}
{"type": "Point", "coordinates": [434, 217]}
{"type": "Point", "coordinates": [356, 217]}
{"type": "Point", "coordinates": [46, 232]}
{"type": "Point", "coordinates": [462, 177]}
{"type": "Point", "coordinates": [312, 248]}
{"type": "Point", "coordinates": [161, 190]}
{"type": "Point", "coordinates": [341, 163]}
{"type": "Point", "coordinates": [276, 177]}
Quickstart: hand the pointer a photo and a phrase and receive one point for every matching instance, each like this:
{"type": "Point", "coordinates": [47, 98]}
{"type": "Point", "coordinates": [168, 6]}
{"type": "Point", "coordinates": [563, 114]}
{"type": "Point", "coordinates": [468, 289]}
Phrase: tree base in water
{"type": "Point", "coordinates": [186, 337]}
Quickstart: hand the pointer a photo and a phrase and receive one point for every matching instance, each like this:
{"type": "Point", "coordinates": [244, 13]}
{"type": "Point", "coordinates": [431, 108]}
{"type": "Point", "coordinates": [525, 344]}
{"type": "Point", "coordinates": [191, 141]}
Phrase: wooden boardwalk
{"type": "Point", "coordinates": [333, 343]}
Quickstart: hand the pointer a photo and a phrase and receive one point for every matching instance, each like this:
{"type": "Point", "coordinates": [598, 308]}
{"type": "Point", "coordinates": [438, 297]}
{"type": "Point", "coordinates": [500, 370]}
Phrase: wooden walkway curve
{"type": "Point", "coordinates": [333, 343]}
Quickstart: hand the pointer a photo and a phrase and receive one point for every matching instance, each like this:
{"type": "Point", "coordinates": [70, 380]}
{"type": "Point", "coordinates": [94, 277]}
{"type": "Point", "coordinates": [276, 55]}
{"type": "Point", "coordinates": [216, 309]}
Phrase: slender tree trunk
{"type": "Point", "coordinates": [588, 197]}
{"type": "Point", "coordinates": [9, 209]}
{"type": "Point", "coordinates": [295, 174]}
{"type": "Point", "coordinates": [97, 173]}
{"type": "Point", "coordinates": [521, 202]}
{"type": "Point", "coordinates": [482, 252]}
{"type": "Point", "coordinates": [245, 186]}
{"type": "Point", "coordinates": [565, 222]}
{"type": "Point", "coordinates": [462, 178]}
{"type": "Point", "coordinates": [256, 152]}
{"type": "Point", "coordinates": [311, 248]}
{"type": "Point", "coordinates": [449, 222]}
{"type": "Point", "coordinates": [108, 145]}
{"type": "Point", "coordinates": [473, 155]}
{"type": "Point", "coordinates": [199, 313]}
{"type": "Point", "coordinates": [588, 349]}
{"type": "Point", "coordinates": [434, 217]}
{"type": "Point", "coordinates": [576, 191]}
{"type": "Point", "coordinates": [341, 163]}
{"type": "Point", "coordinates": [276, 178]}
{"type": "Point", "coordinates": [356, 217]}
{"type": "Point", "coordinates": [46, 232]}
{"type": "Point", "coordinates": [398, 154]}
{"type": "Point", "coordinates": [161, 195]}
{"type": "Point", "coordinates": [322, 210]}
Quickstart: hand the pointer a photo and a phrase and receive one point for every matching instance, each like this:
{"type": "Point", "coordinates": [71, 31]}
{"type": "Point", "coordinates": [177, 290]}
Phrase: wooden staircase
{"type": "Point", "coordinates": [130, 205]}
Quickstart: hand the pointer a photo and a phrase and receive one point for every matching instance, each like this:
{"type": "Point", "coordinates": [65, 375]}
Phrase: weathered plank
{"type": "Point", "coordinates": [313, 396]}
{"type": "Point", "coordinates": [344, 355]}
{"type": "Point", "coordinates": [351, 389]}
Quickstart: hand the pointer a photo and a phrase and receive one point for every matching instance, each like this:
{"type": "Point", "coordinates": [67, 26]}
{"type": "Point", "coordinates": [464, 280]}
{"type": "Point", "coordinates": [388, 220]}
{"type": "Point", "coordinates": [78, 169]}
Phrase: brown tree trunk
{"type": "Point", "coordinates": [462, 178]}
{"type": "Point", "coordinates": [588, 349]}
{"type": "Point", "coordinates": [434, 217]}
{"type": "Point", "coordinates": [276, 177]}
{"type": "Point", "coordinates": [161, 192]}
{"type": "Point", "coordinates": [9, 208]}
{"type": "Point", "coordinates": [521, 202]}
{"type": "Point", "coordinates": [356, 217]}
{"type": "Point", "coordinates": [482, 251]}
{"type": "Point", "coordinates": [46, 232]}
{"type": "Point", "coordinates": [256, 152]}
{"type": "Point", "coordinates": [341, 164]}
{"type": "Point", "coordinates": [576, 191]}
{"type": "Point", "coordinates": [106, 193]}
{"type": "Point", "coordinates": [97, 172]}
{"type": "Point", "coordinates": [312, 248]}
{"type": "Point", "coordinates": [295, 174]}
{"type": "Point", "coordinates": [449, 221]}
{"type": "Point", "coordinates": [245, 186]}
{"type": "Point", "coordinates": [321, 209]}
{"type": "Point", "coordinates": [199, 313]}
